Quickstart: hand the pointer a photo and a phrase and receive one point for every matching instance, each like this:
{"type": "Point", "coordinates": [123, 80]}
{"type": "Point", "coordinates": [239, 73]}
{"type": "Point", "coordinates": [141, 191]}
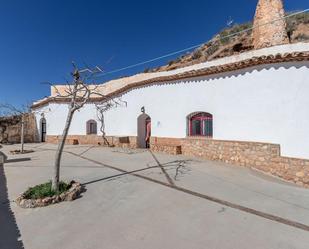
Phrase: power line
{"type": "Point", "coordinates": [198, 45]}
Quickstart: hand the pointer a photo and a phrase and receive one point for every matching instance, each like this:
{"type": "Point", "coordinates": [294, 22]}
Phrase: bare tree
{"type": "Point", "coordinates": [104, 106]}
{"type": "Point", "coordinates": [11, 110]}
{"type": "Point", "coordinates": [78, 93]}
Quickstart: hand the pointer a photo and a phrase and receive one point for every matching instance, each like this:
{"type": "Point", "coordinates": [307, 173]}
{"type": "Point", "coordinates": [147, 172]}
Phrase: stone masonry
{"type": "Point", "coordinates": [10, 129]}
{"type": "Point", "coordinates": [124, 142]}
{"type": "Point", "coordinates": [264, 157]}
{"type": "Point", "coordinates": [267, 35]}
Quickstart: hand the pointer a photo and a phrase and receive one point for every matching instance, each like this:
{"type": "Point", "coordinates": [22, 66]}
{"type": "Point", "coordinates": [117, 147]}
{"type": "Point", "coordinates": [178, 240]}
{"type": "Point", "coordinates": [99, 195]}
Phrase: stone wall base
{"type": "Point", "coordinates": [264, 157]}
{"type": "Point", "coordinates": [124, 142]}
{"type": "Point", "coordinates": [171, 146]}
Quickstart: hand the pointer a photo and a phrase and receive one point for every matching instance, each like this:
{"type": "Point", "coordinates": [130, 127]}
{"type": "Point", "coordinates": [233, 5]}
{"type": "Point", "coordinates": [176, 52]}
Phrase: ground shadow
{"type": "Point", "coordinates": [9, 232]}
{"type": "Point", "coordinates": [118, 175]}
{"type": "Point", "coordinates": [178, 166]}
{"type": "Point", "coordinates": [17, 160]}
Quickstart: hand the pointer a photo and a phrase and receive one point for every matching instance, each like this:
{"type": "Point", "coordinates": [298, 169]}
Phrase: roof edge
{"type": "Point", "coordinates": [210, 68]}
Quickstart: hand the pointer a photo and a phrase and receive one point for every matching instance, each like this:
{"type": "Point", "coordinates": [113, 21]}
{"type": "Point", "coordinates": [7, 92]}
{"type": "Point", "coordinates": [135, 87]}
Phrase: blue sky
{"type": "Point", "coordinates": [39, 39]}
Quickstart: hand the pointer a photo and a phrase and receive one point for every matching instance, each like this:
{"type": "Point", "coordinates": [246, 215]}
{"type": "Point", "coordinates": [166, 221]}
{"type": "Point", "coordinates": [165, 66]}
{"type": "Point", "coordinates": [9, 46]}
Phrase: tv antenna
{"type": "Point", "coordinates": [230, 22]}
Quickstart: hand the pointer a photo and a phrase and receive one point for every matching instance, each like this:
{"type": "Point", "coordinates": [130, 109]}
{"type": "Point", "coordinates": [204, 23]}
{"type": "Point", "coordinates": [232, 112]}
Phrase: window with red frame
{"type": "Point", "coordinates": [201, 124]}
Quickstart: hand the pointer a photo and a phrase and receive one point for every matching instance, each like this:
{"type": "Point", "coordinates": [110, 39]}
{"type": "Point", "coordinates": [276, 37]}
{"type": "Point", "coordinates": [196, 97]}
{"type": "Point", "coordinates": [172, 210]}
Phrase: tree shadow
{"type": "Point", "coordinates": [118, 175]}
{"type": "Point", "coordinates": [179, 166]}
{"type": "Point", "coordinates": [17, 160]}
{"type": "Point", "coordinates": [9, 231]}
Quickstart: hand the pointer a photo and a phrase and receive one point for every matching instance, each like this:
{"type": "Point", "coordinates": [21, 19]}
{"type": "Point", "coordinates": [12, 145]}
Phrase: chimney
{"type": "Point", "coordinates": [274, 33]}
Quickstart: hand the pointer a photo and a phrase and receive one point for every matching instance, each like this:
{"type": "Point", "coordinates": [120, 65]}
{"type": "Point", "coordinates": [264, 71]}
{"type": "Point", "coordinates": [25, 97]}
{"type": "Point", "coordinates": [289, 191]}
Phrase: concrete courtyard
{"type": "Point", "coordinates": [139, 200]}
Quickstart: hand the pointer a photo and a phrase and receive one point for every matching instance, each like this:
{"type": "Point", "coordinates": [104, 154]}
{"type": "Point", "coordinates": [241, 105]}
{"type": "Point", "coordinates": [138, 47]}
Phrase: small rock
{"type": "Point", "coordinates": [21, 203]}
{"type": "Point", "coordinates": [62, 196]}
{"type": "Point", "coordinates": [71, 196]}
{"type": "Point", "coordinates": [300, 174]}
{"type": "Point", "coordinates": [47, 200]}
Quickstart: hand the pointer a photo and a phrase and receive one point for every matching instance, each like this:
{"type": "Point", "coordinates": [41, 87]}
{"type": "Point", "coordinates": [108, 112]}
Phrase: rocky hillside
{"type": "Point", "coordinates": [297, 28]}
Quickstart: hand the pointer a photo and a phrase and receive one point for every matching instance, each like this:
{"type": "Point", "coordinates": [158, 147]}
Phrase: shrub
{"type": "Point", "coordinates": [147, 70]}
{"type": "Point", "coordinates": [212, 49]}
{"type": "Point", "coordinates": [235, 29]}
{"type": "Point", "coordinates": [302, 37]}
{"type": "Point", "coordinates": [45, 190]}
{"type": "Point", "coordinates": [197, 54]}
{"type": "Point", "coordinates": [300, 18]}
{"type": "Point", "coordinates": [294, 21]}
{"type": "Point", "coordinates": [171, 63]}
{"type": "Point", "coordinates": [177, 60]}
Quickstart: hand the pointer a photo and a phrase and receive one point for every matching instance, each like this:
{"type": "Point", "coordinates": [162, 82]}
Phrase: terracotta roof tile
{"type": "Point", "coordinates": [254, 61]}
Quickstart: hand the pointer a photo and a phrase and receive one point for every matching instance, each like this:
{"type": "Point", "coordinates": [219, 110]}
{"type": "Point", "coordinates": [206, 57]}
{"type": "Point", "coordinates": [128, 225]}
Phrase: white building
{"type": "Point", "coordinates": [250, 109]}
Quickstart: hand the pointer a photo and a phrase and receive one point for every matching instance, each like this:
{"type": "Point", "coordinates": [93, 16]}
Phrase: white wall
{"type": "Point", "coordinates": [261, 104]}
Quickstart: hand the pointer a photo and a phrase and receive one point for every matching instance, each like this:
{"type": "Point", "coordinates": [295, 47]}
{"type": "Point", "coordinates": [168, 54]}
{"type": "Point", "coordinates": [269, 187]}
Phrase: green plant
{"type": "Point", "coordinates": [147, 70]}
{"type": "Point", "coordinates": [234, 30]}
{"type": "Point", "coordinates": [212, 49]}
{"type": "Point", "coordinates": [294, 21]}
{"type": "Point", "coordinates": [302, 37]}
{"type": "Point", "coordinates": [45, 190]}
{"type": "Point", "coordinates": [177, 60]}
{"type": "Point", "coordinates": [197, 54]}
{"type": "Point", "coordinates": [300, 18]}
{"type": "Point", "coordinates": [171, 63]}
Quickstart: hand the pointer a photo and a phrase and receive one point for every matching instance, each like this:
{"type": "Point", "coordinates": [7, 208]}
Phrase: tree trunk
{"type": "Point", "coordinates": [22, 133]}
{"type": "Point", "coordinates": [102, 129]}
{"type": "Point", "coordinates": [56, 176]}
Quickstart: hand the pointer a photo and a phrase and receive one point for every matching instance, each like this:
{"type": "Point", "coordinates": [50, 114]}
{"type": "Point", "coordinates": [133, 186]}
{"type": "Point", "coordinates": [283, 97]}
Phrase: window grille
{"type": "Point", "coordinates": [201, 124]}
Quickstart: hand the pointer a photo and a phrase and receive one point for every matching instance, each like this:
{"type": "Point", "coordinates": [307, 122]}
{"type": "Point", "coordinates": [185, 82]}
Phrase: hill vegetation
{"type": "Point", "coordinates": [221, 45]}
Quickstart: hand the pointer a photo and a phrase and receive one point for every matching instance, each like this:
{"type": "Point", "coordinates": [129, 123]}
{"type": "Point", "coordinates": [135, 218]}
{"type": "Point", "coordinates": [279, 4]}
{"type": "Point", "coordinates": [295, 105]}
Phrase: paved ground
{"type": "Point", "coordinates": [168, 202]}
